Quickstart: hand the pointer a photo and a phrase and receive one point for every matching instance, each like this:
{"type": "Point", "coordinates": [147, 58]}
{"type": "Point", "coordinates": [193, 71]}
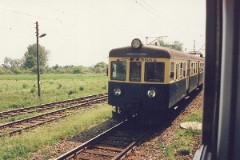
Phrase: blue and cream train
{"type": "Point", "coordinates": [147, 79]}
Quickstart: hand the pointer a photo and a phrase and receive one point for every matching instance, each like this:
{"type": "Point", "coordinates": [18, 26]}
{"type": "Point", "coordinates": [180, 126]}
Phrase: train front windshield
{"type": "Point", "coordinates": [153, 71]}
{"type": "Point", "coordinates": [118, 70]}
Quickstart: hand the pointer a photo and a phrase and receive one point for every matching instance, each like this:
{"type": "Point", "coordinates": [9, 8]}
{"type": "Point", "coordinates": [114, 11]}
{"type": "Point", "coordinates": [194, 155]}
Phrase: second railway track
{"type": "Point", "coordinates": [48, 106]}
{"type": "Point", "coordinates": [18, 126]}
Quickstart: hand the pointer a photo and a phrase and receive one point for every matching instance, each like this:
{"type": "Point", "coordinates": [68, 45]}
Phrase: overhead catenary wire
{"type": "Point", "coordinates": [147, 4]}
{"type": "Point", "coordinates": [149, 10]}
{"type": "Point", "coordinates": [27, 14]}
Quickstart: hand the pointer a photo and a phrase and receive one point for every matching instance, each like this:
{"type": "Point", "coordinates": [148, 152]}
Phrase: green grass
{"type": "Point", "coordinates": [183, 139]}
{"type": "Point", "coordinates": [21, 146]}
{"type": "Point", "coordinates": [18, 91]}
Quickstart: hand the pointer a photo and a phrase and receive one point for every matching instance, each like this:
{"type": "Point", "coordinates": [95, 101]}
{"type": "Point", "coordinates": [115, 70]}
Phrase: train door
{"type": "Point", "coordinates": [135, 70]}
{"type": "Point", "coordinates": [198, 71]}
{"type": "Point", "coordinates": [188, 75]}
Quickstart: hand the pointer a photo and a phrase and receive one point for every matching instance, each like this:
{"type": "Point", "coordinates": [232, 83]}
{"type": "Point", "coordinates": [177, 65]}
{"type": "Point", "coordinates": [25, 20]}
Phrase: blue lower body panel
{"type": "Point", "coordinates": [134, 96]}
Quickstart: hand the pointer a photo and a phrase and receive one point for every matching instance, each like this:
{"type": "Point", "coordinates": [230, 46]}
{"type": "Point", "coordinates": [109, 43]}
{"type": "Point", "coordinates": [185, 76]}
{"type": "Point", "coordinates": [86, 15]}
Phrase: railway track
{"type": "Point", "coordinates": [45, 107]}
{"type": "Point", "coordinates": [114, 143]}
{"type": "Point", "coordinates": [15, 127]}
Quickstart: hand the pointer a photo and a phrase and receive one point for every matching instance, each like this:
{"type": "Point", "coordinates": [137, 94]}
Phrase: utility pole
{"type": "Point", "coordinates": [38, 68]}
{"type": "Point", "coordinates": [194, 46]}
{"type": "Point", "coordinates": [38, 58]}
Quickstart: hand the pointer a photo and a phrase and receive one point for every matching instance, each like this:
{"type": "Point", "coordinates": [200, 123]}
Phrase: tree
{"type": "Point", "coordinates": [100, 67]}
{"type": "Point", "coordinates": [12, 63]}
{"type": "Point", "coordinates": [175, 45]}
{"type": "Point", "coordinates": [30, 57]}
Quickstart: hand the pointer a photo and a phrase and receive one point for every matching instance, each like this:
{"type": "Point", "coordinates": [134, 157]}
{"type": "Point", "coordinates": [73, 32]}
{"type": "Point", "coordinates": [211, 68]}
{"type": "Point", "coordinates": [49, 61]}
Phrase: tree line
{"type": "Point", "coordinates": [28, 64]}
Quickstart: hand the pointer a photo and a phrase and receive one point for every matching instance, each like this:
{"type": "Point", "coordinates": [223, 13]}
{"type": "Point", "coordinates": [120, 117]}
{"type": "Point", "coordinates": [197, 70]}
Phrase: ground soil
{"type": "Point", "coordinates": [149, 150]}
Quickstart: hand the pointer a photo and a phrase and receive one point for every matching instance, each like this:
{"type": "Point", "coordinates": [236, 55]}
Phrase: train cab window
{"type": "Point", "coordinates": [135, 71]}
{"type": "Point", "coordinates": [154, 72]}
{"type": "Point", "coordinates": [118, 71]}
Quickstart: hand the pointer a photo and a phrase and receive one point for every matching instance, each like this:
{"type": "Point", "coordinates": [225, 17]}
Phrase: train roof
{"type": "Point", "coordinates": [152, 51]}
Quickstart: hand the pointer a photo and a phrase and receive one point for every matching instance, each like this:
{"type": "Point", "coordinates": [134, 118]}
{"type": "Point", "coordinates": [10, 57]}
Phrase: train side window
{"type": "Point", "coordinates": [135, 71]}
{"type": "Point", "coordinates": [191, 69]}
{"type": "Point", "coordinates": [154, 71]}
{"type": "Point", "coordinates": [184, 70]}
{"type": "Point", "coordinates": [196, 67]}
{"type": "Point", "coordinates": [177, 71]}
{"type": "Point", "coordinates": [181, 70]}
{"type": "Point", "coordinates": [194, 71]}
{"type": "Point", "coordinates": [172, 71]}
{"type": "Point", "coordinates": [118, 71]}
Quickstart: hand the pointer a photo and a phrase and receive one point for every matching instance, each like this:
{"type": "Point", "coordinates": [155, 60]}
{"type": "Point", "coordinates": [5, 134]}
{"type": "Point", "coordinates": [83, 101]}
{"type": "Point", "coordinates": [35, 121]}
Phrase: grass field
{"type": "Point", "coordinates": [18, 91]}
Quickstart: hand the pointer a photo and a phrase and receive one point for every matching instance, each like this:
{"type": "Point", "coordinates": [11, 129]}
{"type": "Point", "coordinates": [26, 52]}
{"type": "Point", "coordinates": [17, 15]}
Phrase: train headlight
{"type": "Point", "coordinates": [136, 43]}
{"type": "Point", "coordinates": [117, 91]}
{"type": "Point", "coordinates": [151, 93]}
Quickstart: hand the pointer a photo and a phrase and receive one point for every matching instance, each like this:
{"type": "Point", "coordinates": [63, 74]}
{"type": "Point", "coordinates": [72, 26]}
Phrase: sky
{"type": "Point", "coordinates": [82, 32]}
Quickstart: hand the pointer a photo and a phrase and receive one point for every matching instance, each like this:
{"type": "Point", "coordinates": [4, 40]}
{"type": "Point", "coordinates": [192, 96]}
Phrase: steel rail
{"type": "Point", "coordinates": [74, 151]}
{"type": "Point", "coordinates": [98, 147]}
{"type": "Point", "coordinates": [46, 117]}
{"type": "Point", "coordinates": [39, 108]}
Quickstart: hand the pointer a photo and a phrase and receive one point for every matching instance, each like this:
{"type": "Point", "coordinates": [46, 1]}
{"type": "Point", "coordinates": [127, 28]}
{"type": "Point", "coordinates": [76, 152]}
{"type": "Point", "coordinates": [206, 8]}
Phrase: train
{"type": "Point", "coordinates": [149, 79]}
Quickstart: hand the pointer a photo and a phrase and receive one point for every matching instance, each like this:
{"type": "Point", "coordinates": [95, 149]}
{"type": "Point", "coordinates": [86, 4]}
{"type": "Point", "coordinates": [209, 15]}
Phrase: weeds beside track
{"type": "Point", "coordinates": [28, 123]}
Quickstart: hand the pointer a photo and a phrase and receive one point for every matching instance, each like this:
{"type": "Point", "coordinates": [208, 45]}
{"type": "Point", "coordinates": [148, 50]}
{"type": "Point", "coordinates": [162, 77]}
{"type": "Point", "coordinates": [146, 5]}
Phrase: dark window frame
{"type": "Point", "coordinates": [146, 76]}
{"type": "Point", "coordinates": [130, 72]}
{"type": "Point", "coordinates": [111, 71]}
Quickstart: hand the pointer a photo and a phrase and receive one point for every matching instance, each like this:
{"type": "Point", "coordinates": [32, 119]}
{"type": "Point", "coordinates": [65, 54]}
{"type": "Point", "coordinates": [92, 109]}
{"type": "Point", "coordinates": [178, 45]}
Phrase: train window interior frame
{"type": "Point", "coordinates": [118, 70]}
{"type": "Point", "coordinates": [221, 103]}
{"type": "Point", "coordinates": [154, 72]}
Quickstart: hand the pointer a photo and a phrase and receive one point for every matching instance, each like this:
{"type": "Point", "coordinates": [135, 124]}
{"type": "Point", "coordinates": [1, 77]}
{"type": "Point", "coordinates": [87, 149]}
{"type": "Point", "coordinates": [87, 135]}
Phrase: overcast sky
{"type": "Point", "coordinates": [82, 32]}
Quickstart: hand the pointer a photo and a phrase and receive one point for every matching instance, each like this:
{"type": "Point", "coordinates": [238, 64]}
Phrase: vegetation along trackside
{"type": "Point", "coordinates": [29, 142]}
{"type": "Point", "coordinates": [18, 91]}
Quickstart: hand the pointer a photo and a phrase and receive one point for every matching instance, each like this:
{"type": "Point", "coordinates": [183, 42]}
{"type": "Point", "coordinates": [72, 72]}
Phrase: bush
{"type": "Point", "coordinates": [33, 90]}
{"type": "Point", "coordinates": [25, 86]}
{"type": "Point", "coordinates": [59, 86]}
{"type": "Point", "coordinates": [77, 71]}
{"type": "Point", "coordinates": [104, 87]}
{"type": "Point", "coordinates": [16, 106]}
{"type": "Point", "coordinates": [34, 70]}
{"type": "Point", "coordinates": [71, 92]}
{"type": "Point", "coordinates": [81, 88]}
{"type": "Point", "coordinates": [16, 71]}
